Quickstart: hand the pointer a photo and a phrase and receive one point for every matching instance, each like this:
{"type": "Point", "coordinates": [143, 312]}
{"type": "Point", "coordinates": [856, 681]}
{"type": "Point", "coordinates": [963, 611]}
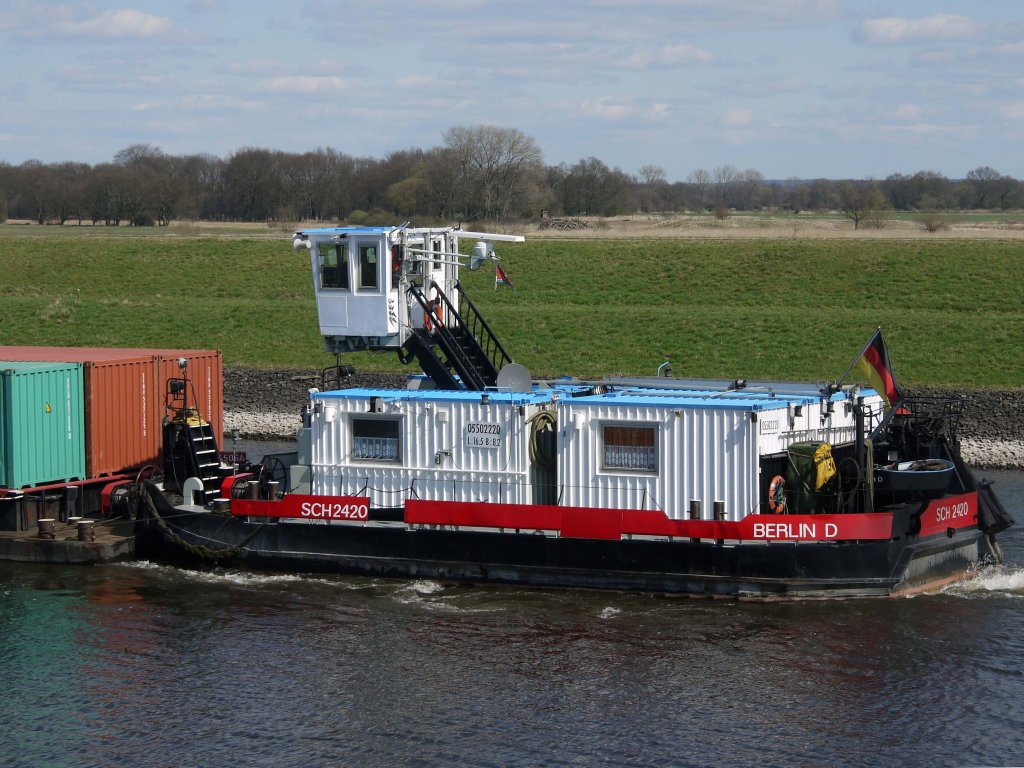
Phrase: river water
{"type": "Point", "coordinates": [143, 665]}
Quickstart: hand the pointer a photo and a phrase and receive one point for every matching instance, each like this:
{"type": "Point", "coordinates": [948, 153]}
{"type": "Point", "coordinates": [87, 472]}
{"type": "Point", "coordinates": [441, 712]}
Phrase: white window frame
{"type": "Point", "coordinates": [387, 451]}
{"type": "Point", "coordinates": [634, 459]}
{"type": "Point", "coordinates": [360, 248]}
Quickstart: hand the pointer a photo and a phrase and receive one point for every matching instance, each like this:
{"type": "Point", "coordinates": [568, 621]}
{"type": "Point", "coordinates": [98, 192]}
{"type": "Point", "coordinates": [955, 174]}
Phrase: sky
{"type": "Point", "coordinates": [790, 88]}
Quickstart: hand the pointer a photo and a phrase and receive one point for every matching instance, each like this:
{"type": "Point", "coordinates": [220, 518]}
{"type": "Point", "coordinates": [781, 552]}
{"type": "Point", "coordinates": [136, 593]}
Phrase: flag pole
{"type": "Point", "coordinates": [871, 341]}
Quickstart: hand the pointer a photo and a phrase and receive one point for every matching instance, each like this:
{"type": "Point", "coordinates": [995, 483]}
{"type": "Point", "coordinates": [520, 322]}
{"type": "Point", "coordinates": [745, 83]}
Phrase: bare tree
{"type": "Point", "coordinates": [492, 165]}
{"type": "Point", "coordinates": [253, 184]}
{"type": "Point", "coordinates": [1007, 191]}
{"type": "Point", "coordinates": [652, 190]}
{"type": "Point", "coordinates": [652, 174]}
{"type": "Point", "coordinates": [591, 188]}
{"type": "Point", "coordinates": [861, 202]}
{"type": "Point", "coordinates": [700, 181]}
{"type": "Point", "coordinates": [724, 178]}
{"type": "Point", "coordinates": [796, 195]}
{"type": "Point", "coordinates": [750, 190]}
{"type": "Point", "coordinates": [983, 179]}
{"type": "Point", "coordinates": [139, 154]}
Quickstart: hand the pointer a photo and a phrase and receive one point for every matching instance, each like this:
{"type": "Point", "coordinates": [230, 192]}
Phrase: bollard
{"type": "Point", "coordinates": [47, 528]}
{"type": "Point", "coordinates": [222, 506]}
{"type": "Point", "coordinates": [252, 489]}
{"type": "Point", "coordinates": [719, 507]}
{"type": "Point", "coordinates": [694, 515]}
{"type": "Point", "coordinates": [86, 531]}
{"type": "Point", "coordinates": [272, 490]}
{"type": "Point", "coordinates": [69, 501]}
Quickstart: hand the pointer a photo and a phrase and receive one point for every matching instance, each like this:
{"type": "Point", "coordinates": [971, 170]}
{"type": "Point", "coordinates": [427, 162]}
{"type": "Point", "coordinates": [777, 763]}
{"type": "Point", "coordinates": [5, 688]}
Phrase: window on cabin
{"type": "Point", "coordinates": [397, 261]}
{"type": "Point", "coordinates": [376, 440]}
{"type": "Point", "coordinates": [631, 448]}
{"type": "Point", "coordinates": [333, 266]}
{"type": "Point", "coordinates": [368, 267]}
{"type": "Point", "coordinates": [437, 247]}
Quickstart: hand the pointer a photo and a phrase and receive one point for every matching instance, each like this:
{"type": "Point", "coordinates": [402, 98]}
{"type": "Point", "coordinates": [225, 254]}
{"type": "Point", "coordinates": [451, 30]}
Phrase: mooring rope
{"type": "Point", "coordinates": [200, 551]}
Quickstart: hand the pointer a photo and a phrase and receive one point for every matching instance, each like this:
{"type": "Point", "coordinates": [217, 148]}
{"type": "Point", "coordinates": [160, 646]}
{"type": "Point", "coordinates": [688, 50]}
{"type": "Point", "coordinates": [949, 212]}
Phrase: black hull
{"type": "Point", "coordinates": [732, 570]}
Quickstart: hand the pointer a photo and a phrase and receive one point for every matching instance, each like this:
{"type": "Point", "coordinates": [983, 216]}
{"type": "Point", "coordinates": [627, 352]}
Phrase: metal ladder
{"type": "Point", "coordinates": [470, 354]}
{"type": "Point", "coordinates": [205, 455]}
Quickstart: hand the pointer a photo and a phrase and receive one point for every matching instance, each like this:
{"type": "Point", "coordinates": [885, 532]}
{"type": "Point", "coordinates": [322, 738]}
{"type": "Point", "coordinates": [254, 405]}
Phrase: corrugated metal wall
{"type": "Point", "coordinates": [708, 455]}
{"type": "Point", "coordinates": [446, 447]}
{"type": "Point", "coordinates": [205, 373]}
{"type": "Point", "coordinates": [780, 428]}
{"type": "Point", "coordinates": [42, 423]}
{"type": "Point", "coordinates": [124, 409]}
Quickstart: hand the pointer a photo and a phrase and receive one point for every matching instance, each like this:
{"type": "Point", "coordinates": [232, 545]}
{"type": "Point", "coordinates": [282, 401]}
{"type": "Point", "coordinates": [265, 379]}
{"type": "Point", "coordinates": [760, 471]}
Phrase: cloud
{"type": "Point", "coordinates": [607, 109]}
{"type": "Point", "coordinates": [907, 112]}
{"type": "Point", "coordinates": [112, 75]}
{"type": "Point", "coordinates": [1010, 49]}
{"type": "Point", "coordinates": [917, 131]}
{"type": "Point", "coordinates": [765, 86]}
{"type": "Point", "coordinates": [667, 56]}
{"type": "Point", "coordinates": [122, 24]}
{"type": "Point", "coordinates": [892, 30]}
{"type": "Point", "coordinates": [611, 109]}
{"type": "Point", "coordinates": [201, 102]}
{"type": "Point", "coordinates": [738, 118]}
{"type": "Point", "coordinates": [1013, 111]}
{"type": "Point", "coordinates": [305, 84]}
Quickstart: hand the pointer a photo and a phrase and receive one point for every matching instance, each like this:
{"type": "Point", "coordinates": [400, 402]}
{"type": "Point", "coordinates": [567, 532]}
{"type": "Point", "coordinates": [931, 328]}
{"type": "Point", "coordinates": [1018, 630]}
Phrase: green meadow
{"type": "Point", "coordinates": [952, 310]}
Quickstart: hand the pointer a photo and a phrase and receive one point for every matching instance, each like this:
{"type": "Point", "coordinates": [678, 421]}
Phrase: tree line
{"type": "Point", "coordinates": [478, 173]}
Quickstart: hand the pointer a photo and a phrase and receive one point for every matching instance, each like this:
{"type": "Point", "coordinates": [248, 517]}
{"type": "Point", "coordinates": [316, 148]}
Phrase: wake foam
{"type": "Point", "coordinates": [1004, 580]}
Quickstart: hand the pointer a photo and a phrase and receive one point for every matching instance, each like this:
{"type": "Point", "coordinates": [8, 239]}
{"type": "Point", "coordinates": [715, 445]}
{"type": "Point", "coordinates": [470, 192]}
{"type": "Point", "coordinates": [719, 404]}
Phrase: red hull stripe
{"type": "Point", "coordinates": [951, 512]}
{"type": "Point", "coordinates": [612, 524]}
{"type": "Point", "coordinates": [303, 507]}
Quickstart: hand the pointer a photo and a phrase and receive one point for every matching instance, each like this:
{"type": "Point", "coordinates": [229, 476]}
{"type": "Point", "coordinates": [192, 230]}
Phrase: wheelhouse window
{"type": "Point", "coordinates": [631, 448]}
{"type": "Point", "coordinates": [368, 279]}
{"type": "Point", "coordinates": [334, 266]}
{"type": "Point", "coordinates": [438, 247]}
{"type": "Point", "coordinates": [376, 440]}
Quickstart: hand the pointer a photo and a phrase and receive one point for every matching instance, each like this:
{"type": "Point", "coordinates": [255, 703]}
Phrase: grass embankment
{"type": "Point", "coordinates": [952, 311]}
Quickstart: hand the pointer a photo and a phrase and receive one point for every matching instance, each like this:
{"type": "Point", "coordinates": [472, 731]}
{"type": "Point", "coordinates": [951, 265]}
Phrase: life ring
{"type": "Point", "coordinates": [777, 495]}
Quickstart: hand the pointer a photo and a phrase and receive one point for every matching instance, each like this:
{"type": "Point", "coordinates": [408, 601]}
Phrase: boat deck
{"type": "Point", "coordinates": [114, 541]}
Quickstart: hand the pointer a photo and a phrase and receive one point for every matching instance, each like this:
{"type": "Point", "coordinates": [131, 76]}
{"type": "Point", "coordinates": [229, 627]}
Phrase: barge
{"type": "Point", "coordinates": [478, 473]}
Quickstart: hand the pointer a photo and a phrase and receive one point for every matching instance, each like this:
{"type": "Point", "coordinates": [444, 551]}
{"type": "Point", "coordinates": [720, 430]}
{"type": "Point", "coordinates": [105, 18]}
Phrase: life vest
{"type": "Point", "coordinates": [438, 310]}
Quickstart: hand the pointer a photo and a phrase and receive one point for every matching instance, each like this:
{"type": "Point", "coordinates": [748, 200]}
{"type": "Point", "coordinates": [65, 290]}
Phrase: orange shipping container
{"type": "Point", "coordinates": [206, 381]}
{"type": "Point", "coordinates": [125, 394]}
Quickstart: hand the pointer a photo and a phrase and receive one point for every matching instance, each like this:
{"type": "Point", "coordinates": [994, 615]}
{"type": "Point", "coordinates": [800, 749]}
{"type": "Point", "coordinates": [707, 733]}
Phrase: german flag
{"type": "Point", "coordinates": [877, 370]}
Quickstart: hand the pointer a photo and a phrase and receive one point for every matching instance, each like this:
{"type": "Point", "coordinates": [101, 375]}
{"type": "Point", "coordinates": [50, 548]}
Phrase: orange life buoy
{"type": "Point", "coordinates": [777, 495]}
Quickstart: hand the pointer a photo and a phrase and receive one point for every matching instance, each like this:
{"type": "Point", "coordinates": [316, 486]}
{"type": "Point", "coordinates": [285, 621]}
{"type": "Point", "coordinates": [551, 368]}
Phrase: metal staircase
{"type": "Point", "coordinates": [191, 449]}
{"type": "Point", "coordinates": [205, 455]}
{"type": "Point", "coordinates": [456, 348]}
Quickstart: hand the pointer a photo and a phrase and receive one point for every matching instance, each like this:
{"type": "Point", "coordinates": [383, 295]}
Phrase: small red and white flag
{"type": "Point", "coordinates": [500, 278]}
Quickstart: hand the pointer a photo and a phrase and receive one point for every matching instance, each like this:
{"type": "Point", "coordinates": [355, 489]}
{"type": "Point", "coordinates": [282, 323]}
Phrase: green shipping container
{"type": "Point", "coordinates": [42, 423]}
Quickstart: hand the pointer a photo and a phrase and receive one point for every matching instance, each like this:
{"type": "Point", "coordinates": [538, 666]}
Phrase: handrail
{"type": "Point", "coordinates": [492, 347]}
{"type": "Point", "coordinates": [470, 376]}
